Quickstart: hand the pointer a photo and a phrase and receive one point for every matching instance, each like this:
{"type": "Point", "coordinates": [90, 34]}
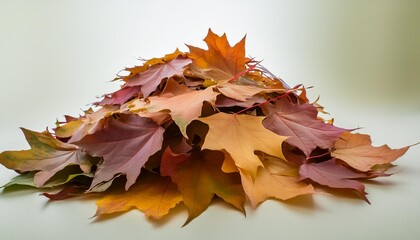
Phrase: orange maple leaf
{"type": "Point", "coordinates": [152, 194]}
{"type": "Point", "coordinates": [220, 61]}
{"type": "Point", "coordinates": [357, 151]}
{"type": "Point", "coordinates": [276, 179]}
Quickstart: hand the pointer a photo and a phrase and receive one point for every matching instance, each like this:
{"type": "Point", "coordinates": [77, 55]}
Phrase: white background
{"type": "Point", "coordinates": [362, 57]}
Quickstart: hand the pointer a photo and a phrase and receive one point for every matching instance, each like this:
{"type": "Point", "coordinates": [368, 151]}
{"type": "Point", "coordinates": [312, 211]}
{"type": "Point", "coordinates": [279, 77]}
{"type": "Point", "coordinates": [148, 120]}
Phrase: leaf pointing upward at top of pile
{"type": "Point", "coordinates": [220, 61]}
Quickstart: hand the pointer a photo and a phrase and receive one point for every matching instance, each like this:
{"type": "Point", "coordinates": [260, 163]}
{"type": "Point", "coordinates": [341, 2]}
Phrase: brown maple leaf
{"type": "Point", "coordinates": [198, 176]}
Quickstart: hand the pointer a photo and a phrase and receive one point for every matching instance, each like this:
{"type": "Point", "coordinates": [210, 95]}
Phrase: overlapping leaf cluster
{"type": "Point", "coordinates": [188, 127]}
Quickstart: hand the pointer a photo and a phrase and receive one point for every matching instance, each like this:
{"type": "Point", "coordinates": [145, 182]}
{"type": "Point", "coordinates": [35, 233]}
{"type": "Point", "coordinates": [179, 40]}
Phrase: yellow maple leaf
{"type": "Point", "coordinates": [241, 136]}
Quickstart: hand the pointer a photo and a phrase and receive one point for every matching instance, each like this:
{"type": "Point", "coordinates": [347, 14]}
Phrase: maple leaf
{"type": "Point", "coordinates": [47, 156]}
{"type": "Point", "coordinates": [357, 151]}
{"type": "Point", "coordinates": [125, 144]}
{"type": "Point", "coordinates": [134, 71]}
{"type": "Point", "coordinates": [330, 174]}
{"type": "Point", "coordinates": [88, 124]}
{"type": "Point", "coordinates": [68, 129]}
{"type": "Point", "coordinates": [301, 124]}
{"type": "Point", "coordinates": [240, 136]}
{"type": "Point", "coordinates": [277, 179]}
{"type": "Point", "coordinates": [27, 179]}
{"type": "Point", "coordinates": [223, 101]}
{"type": "Point", "coordinates": [138, 106]}
{"type": "Point", "coordinates": [177, 98]}
{"type": "Point", "coordinates": [198, 176]}
{"type": "Point", "coordinates": [152, 194]}
{"type": "Point", "coordinates": [119, 97]}
{"type": "Point", "coordinates": [152, 77]}
{"type": "Point", "coordinates": [67, 192]}
{"type": "Point", "coordinates": [242, 92]}
{"type": "Point", "coordinates": [220, 61]}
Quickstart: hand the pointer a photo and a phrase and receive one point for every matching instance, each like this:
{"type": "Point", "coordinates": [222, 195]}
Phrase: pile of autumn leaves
{"type": "Point", "coordinates": [192, 126]}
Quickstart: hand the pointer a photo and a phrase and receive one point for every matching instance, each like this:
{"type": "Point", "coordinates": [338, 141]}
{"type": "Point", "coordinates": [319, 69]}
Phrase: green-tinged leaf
{"type": "Point", "coordinates": [47, 156]}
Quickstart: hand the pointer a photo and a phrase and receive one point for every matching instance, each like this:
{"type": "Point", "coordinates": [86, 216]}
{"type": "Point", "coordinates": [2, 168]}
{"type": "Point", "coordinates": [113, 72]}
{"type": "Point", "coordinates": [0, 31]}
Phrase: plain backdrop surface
{"type": "Point", "coordinates": [362, 57]}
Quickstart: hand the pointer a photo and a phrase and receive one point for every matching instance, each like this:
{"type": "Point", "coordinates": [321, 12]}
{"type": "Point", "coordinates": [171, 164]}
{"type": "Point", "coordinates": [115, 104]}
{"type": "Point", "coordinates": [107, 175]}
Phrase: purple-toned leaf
{"type": "Point", "coordinates": [119, 97]}
{"type": "Point", "coordinates": [152, 77]}
{"type": "Point", "coordinates": [300, 122]}
{"type": "Point", "coordinates": [333, 175]}
{"type": "Point", "coordinates": [125, 144]}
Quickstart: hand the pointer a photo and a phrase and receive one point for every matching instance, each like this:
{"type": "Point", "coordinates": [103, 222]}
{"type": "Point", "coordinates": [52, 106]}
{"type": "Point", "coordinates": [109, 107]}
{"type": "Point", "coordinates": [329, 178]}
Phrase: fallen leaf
{"type": "Point", "coordinates": [333, 175]}
{"type": "Point", "coordinates": [67, 192]}
{"type": "Point", "coordinates": [67, 130]}
{"type": "Point", "coordinates": [241, 136]}
{"type": "Point", "coordinates": [90, 123]}
{"type": "Point", "coordinates": [242, 92]}
{"type": "Point", "coordinates": [47, 156]}
{"type": "Point", "coordinates": [119, 97]}
{"type": "Point", "coordinates": [220, 61]}
{"type": "Point", "coordinates": [223, 101]}
{"type": "Point", "coordinates": [300, 122]}
{"type": "Point", "coordinates": [152, 77]}
{"type": "Point", "coordinates": [152, 194]}
{"type": "Point", "coordinates": [357, 151]}
{"type": "Point", "coordinates": [27, 179]}
{"type": "Point", "coordinates": [276, 179]}
{"type": "Point", "coordinates": [125, 144]}
{"type": "Point", "coordinates": [177, 104]}
{"type": "Point", "coordinates": [198, 176]}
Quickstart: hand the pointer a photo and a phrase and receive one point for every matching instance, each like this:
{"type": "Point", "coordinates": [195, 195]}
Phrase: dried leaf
{"type": "Point", "coordinates": [357, 151]}
{"type": "Point", "coordinates": [220, 61]}
{"type": "Point", "coordinates": [240, 136]}
{"type": "Point", "coordinates": [300, 122]}
{"type": "Point", "coordinates": [276, 179]}
{"type": "Point", "coordinates": [177, 104]}
{"type": "Point", "coordinates": [198, 176]}
{"type": "Point", "coordinates": [125, 144]}
{"type": "Point", "coordinates": [330, 174]}
{"type": "Point", "coordinates": [152, 194]}
{"type": "Point", "coordinates": [47, 156]}
{"type": "Point", "coordinates": [152, 77]}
